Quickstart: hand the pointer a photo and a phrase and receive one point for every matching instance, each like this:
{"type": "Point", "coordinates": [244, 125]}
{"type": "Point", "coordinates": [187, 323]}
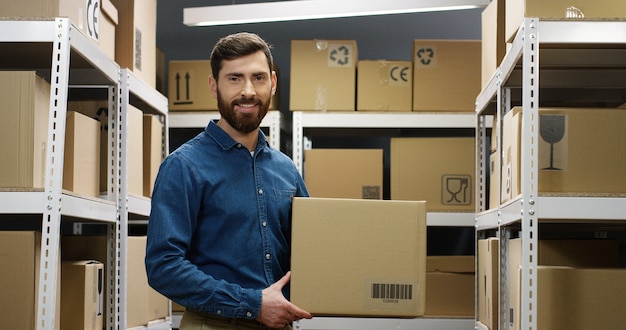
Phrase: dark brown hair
{"type": "Point", "coordinates": [237, 45]}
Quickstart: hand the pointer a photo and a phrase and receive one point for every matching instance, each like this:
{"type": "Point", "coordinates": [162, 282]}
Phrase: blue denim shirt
{"type": "Point", "coordinates": [220, 224]}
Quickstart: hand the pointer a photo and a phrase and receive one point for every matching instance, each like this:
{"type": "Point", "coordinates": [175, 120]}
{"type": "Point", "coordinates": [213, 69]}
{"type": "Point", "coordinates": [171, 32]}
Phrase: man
{"type": "Point", "coordinates": [220, 227]}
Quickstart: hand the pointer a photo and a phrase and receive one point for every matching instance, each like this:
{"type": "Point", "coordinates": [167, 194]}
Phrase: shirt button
{"type": "Point", "coordinates": [248, 314]}
{"type": "Point", "coordinates": [264, 223]}
{"type": "Point", "coordinates": [239, 145]}
{"type": "Point", "coordinates": [219, 312]}
{"type": "Point", "coordinates": [260, 191]}
{"type": "Point", "coordinates": [268, 256]}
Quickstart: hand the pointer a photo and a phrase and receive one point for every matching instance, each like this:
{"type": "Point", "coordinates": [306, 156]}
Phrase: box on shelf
{"type": "Point", "coordinates": [586, 156]}
{"type": "Point", "coordinates": [135, 151]}
{"type": "Point", "coordinates": [450, 283]}
{"type": "Point", "coordinates": [144, 304]}
{"type": "Point", "coordinates": [82, 295]}
{"type": "Point", "coordinates": [96, 19]}
{"type": "Point", "coordinates": [384, 85]}
{"type": "Point", "coordinates": [325, 173]}
{"type": "Point", "coordinates": [20, 252]}
{"type": "Point", "coordinates": [323, 75]}
{"type": "Point", "coordinates": [152, 151]}
{"type": "Point", "coordinates": [81, 164]}
{"type": "Point", "coordinates": [516, 10]}
{"type": "Point", "coordinates": [493, 45]}
{"type": "Point", "coordinates": [357, 257]}
{"type": "Point", "coordinates": [572, 276]}
{"type": "Point", "coordinates": [135, 38]}
{"type": "Point", "coordinates": [23, 129]}
{"type": "Point", "coordinates": [446, 75]}
{"type": "Point", "coordinates": [488, 274]}
{"type": "Point", "coordinates": [189, 90]}
{"type": "Point", "coordinates": [437, 170]}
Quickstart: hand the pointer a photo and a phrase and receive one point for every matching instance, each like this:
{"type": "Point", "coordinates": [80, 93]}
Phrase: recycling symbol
{"type": "Point", "coordinates": [340, 55]}
{"type": "Point", "coordinates": [426, 55]}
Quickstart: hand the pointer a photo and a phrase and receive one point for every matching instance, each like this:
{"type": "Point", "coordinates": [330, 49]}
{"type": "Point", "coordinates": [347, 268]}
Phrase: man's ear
{"type": "Point", "coordinates": [213, 86]}
{"type": "Point", "coordinates": [274, 83]}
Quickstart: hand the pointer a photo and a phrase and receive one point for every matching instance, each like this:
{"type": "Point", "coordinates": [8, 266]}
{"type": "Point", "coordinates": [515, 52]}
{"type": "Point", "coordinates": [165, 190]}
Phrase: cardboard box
{"type": "Point", "coordinates": [493, 43]}
{"type": "Point", "coordinates": [356, 257]}
{"type": "Point", "coordinates": [96, 19]}
{"type": "Point", "coordinates": [20, 253]}
{"type": "Point", "coordinates": [494, 180]}
{"type": "Point", "coordinates": [188, 89]}
{"type": "Point", "coordinates": [143, 304]}
{"type": "Point", "coordinates": [488, 275]}
{"type": "Point", "coordinates": [446, 75]}
{"type": "Point", "coordinates": [450, 283]}
{"type": "Point", "coordinates": [100, 111]}
{"type": "Point", "coordinates": [188, 83]}
{"type": "Point", "coordinates": [578, 163]}
{"type": "Point", "coordinates": [438, 170]}
{"type": "Point", "coordinates": [384, 86]}
{"type": "Point", "coordinates": [23, 129]}
{"type": "Point", "coordinates": [82, 295]}
{"type": "Point", "coordinates": [153, 149]}
{"type": "Point", "coordinates": [81, 161]}
{"type": "Point", "coordinates": [323, 75]}
{"type": "Point", "coordinates": [135, 38]}
{"type": "Point", "coordinates": [135, 151]}
{"type": "Point", "coordinates": [325, 173]}
{"type": "Point", "coordinates": [516, 10]}
{"type": "Point", "coordinates": [576, 289]}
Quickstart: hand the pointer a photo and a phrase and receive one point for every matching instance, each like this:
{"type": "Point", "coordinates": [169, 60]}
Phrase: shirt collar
{"type": "Point", "coordinates": [225, 141]}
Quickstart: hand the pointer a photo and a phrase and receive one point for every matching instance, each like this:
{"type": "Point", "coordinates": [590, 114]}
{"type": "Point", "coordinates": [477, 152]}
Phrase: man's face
{"type": "Point", "coordinates": [243, 90]}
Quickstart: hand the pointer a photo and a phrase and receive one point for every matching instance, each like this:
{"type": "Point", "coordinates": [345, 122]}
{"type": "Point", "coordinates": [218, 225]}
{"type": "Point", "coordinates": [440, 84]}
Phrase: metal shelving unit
{"type": "Point", "coordinates": [71, 61]}
{"type": "Point", "coordinates": [273, 121]}
{"type": "Point", "coordinates": [581, 61]}
{"type": "Point", "coordinates": [365, 120]}
{"type": "Point", "coordinates": [53, 44]}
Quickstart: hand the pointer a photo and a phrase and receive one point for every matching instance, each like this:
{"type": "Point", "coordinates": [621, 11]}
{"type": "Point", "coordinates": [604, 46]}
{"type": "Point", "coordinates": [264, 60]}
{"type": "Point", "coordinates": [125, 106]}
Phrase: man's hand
{"type": "Point", "coordinates": [276, 311]}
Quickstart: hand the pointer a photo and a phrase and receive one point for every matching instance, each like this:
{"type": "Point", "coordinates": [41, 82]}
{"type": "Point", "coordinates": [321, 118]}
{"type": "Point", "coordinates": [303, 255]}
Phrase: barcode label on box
{"type": "Point", "coordinates": [392, 291]}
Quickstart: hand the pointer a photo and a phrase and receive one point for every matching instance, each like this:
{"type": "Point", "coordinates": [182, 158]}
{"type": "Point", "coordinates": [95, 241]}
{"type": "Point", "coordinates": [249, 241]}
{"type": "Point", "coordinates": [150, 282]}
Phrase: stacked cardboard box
{"type": "Point", "coordinates": [325, 173]}
{"type": "Point", "coordinates": [323, 75]}
{"type": "Point", "coordinates": [96, 19]}
{"type": "Point", "coordinates": [384, 85]}
{"type": "Point", "coordinates": [450, 283]}
{"type": "Point", "coordinates": [82, 295]}
{"type": "Point", "coordinates": [20, 253]}
{"type": "Point", "coordinates": [143, 303]}
{"type": "Point", "coordinates": [437, 170]}
{"type": "Point", "coordinates": [571, 161]}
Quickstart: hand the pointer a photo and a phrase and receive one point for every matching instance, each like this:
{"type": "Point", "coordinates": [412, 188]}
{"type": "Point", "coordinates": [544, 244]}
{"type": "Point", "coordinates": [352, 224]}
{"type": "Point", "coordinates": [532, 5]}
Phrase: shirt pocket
{"type": "Point", "coordinates": [283, 199]}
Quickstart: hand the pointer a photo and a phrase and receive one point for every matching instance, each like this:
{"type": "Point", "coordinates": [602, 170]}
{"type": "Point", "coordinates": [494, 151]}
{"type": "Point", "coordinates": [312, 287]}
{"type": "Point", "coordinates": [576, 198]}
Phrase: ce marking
{"type": "Point", "coordinates": [399, 73]}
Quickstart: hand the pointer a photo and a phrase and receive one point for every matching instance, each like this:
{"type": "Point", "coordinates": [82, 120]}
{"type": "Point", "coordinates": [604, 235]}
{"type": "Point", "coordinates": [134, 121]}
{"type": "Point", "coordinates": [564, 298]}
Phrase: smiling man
{"type": "Point", "coordinates": [219, 231]}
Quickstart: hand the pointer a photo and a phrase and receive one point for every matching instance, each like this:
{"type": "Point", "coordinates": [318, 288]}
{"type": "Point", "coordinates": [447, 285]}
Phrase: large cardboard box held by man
{"type": "Point", "coordinates": [437, 170]}
{"type": "Point", "coordinates": [357, 257]}
{"type": "Point", "coordinates": [581, 151]}
{"type": "Point", "coordinates": [446, 75]}
{"type": "Point", "coordinates": [323, 75]}
{"type": "Point", "coordinates": [325, 173]}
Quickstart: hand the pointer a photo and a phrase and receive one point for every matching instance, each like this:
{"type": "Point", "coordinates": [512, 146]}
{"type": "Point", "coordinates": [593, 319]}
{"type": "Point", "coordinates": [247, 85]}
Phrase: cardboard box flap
{"type": "Point", "coordinates": [108, 8]}
{"type": "Point", "coordinates": [450, 264]}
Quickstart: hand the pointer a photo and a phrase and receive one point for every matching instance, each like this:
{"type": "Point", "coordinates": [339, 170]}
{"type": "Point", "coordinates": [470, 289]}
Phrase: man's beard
{"type": "Point", "coordinates": [243, 122]}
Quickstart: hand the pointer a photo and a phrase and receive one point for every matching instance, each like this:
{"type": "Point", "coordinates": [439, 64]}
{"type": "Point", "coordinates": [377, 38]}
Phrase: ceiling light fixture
{"type": "Point", "coordinates": [315, 9]}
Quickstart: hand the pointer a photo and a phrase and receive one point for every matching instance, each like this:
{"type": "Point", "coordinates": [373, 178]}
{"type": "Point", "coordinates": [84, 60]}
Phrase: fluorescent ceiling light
{"type": "Point", "coordinates": [315, 9]}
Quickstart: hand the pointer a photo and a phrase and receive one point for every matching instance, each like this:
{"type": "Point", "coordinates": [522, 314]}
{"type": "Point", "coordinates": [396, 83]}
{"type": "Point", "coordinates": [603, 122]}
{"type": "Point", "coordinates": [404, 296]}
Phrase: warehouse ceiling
{"type": "Point", "coordinates": [378, 37]}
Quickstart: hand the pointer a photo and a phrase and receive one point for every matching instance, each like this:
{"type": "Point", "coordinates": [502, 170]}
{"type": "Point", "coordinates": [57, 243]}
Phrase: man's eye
{"type": "Point", "coordinates": [259, 77]}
